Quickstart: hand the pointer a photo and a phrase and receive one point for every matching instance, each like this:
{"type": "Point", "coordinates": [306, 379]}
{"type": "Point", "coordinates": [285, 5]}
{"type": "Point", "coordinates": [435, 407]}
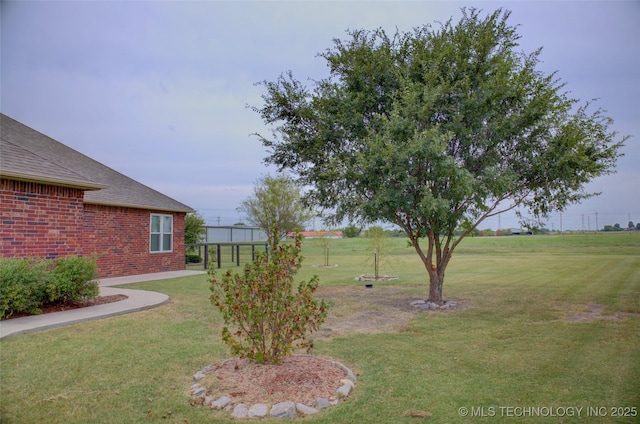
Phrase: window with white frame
{"type": "Point", "coordinates": [161, 234]}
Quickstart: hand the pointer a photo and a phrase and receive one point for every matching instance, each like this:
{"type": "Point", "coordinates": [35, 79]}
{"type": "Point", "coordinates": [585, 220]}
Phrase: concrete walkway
{"type": "Point", "coordinates": [138, 300]}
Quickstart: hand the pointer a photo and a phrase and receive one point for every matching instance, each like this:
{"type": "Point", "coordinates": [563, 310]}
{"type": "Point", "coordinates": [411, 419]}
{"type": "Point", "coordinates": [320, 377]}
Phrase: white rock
{"type": "Point", "coordinates": [221, 402]}
{"type": "Point", "coordinates": [259, 410]}
{"type": "Point", "coordinates": [344, 390]}
{"type": "Point", "coordinates": [322, 403]}
{"type": "Point", "coordinates": [240, 411]}
{"type": "Point", "coordinates": [304, 409]}
{"type": "Point", "coordinates": [283, 410]}
{"type": "Point", "coordinates": [347, 381]}
{"type": "Point", "coordinates": [350, 374]}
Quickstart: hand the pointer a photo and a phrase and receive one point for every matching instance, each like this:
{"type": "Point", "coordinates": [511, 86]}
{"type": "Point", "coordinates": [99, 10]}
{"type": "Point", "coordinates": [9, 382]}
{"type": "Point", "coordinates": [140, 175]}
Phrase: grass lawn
{"type": "Point", "coordinates": [550, 322]}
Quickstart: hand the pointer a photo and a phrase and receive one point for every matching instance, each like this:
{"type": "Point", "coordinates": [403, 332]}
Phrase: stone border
{"type": "Point", "coordinates": [432, 306]}
{"type": "Point", "coordinates": [287, 409]}
{"type": "Point", "coordinates": [380, 278]}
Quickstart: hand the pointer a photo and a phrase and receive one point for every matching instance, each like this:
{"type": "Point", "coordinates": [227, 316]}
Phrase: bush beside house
{"type": "Point", "coordinates": [28, 284]}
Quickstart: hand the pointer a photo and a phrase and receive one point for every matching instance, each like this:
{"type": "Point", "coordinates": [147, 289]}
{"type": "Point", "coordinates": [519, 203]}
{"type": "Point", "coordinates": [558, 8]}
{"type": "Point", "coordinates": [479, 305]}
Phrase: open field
{"type": "Point", "coordinates": [549, 325]}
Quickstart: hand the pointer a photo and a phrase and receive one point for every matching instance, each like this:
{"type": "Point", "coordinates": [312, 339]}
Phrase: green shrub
{"type": "Point", "coordinates": [73, 280]}
{"type": "Point", "coordinates": [26, 284]}
{"type": "Point", "coordinates": [270, 319]}
{"type": "Point", "coordinates": [22, 285]}
{"type": "Point", "coordinates": [193, 259]}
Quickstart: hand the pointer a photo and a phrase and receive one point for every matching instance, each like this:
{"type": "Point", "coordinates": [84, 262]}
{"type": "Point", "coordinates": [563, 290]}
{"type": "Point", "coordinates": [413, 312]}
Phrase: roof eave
{"type": "Point", "coordinates": [185, 209]}
{"type": "Point", "coordinates": [32, 178]}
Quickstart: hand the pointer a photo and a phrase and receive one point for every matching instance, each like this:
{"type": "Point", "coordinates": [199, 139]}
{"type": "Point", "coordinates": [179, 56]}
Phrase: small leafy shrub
{"type": "Point", "coordinates": [269, 317]}
{"type": "Point", "coordinates": [193, 259]}
{"type": "Point", "coordinates": [26, 284]}
{"type": "Point", "coordinates": [22, 285]}
{"type": "Point", "coordinates": [73, 280]}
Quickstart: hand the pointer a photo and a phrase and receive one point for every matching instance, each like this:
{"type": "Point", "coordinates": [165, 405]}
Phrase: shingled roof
{"type": "Point", "coordinates": [28, 155]}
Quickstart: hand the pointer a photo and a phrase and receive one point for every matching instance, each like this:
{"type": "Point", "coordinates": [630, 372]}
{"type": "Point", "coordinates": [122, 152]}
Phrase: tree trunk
{"type": "Point", "coordinates": [436, 272]}
{"type": "Point", "coordinates": [435, 287]}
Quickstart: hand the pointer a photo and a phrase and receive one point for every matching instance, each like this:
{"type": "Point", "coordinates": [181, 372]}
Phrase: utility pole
{"type": "Point", "coordinates": [596, 222]}
{"type": "Point", "coordinates": [218, 221]}
{"type": "Point", "coordinates": [560, 223]}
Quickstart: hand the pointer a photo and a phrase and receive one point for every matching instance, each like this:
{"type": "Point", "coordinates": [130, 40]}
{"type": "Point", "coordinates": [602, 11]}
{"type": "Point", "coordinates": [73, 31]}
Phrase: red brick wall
{"type": "Point", "coordinates": [119, 237]}
{"type": "Point", "coordinates": [39, 220]}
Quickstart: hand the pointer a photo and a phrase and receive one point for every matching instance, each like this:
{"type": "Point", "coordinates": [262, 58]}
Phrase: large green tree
{"type": "Point", "coordinates": [276, 200]}
{"type": "Point", "coordinates": [436, 129]}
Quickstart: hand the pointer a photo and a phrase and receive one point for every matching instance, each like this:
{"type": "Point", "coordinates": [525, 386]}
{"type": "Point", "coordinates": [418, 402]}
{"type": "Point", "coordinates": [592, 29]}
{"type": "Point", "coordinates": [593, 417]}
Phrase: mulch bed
{"type": "Point", "coordinates": [299, 378]}
{"type": "Point", "coordinates": [58, 307]}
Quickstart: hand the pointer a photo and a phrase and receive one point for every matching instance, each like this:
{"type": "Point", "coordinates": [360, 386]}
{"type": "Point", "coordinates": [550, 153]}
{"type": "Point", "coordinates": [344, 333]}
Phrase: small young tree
{"type": "Point", "coordinates": [325, 240]}
{"type": "Point", "coordinates": [276, 199]}
{"type": "Point", "coordinates": [377, 240]}
{"type": "Point", "coordinates": [268, 317]}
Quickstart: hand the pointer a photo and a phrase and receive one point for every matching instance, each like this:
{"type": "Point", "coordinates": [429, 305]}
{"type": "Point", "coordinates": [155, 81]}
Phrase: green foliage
{"type": "Point", "coordinates": [351, 231]}
{"type": "Point", "coordinates": [192, 259]}
{"type": "Point", "coordinates": [26, 284]}
{"type": "Point", "coordinates": [437, 129]}
{"type": "Point", "coordinates": [487, 232]}
{"type": "Point", "coordinates": [22, 285]}
{"type": "Point", "coordinates": [194, 228]}
{"type": "Point", "coordinates": [377, 237]}
{"type": "Point", "coordinates": [276, 199]}
{"type": "Point", "coordinates": [73, 279]}
{"type": "Point", "coordinates": [618, 227]}
{"type": "Point", "coordinates": [268, 317]}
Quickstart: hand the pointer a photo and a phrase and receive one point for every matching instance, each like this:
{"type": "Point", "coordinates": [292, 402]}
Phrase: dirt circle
{"type": "Point", "coordinates": [379, 309]}
{"type": "Point", "coordinates": [299, 378]}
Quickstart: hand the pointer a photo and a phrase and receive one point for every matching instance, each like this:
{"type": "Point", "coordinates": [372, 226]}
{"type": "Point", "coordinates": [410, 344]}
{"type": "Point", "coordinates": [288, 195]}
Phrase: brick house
{"type": "Point", "coordinates": [55, 201]}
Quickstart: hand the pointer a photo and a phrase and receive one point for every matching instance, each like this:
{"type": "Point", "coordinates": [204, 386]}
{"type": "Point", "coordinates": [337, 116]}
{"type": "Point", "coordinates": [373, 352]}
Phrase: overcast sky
{"type": "Point", "coordinates": [158, 90]}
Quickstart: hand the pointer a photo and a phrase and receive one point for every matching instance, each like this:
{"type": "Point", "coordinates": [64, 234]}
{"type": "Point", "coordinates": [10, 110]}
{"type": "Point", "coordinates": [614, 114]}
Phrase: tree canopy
{"type": "Point", "coordinates": [276, 201]}
{"type": "Point", "coordinates": [436, 129]}
{"type": "Point", "coordinates": [194, 228]}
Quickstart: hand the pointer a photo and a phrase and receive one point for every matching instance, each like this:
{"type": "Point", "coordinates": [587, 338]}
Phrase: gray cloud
{"type": "Point", "coordinates": [157, 90]}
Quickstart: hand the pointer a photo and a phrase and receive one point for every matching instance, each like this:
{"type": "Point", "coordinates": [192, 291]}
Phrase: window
{"type": "Point", "coordinates": [161, 236]}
